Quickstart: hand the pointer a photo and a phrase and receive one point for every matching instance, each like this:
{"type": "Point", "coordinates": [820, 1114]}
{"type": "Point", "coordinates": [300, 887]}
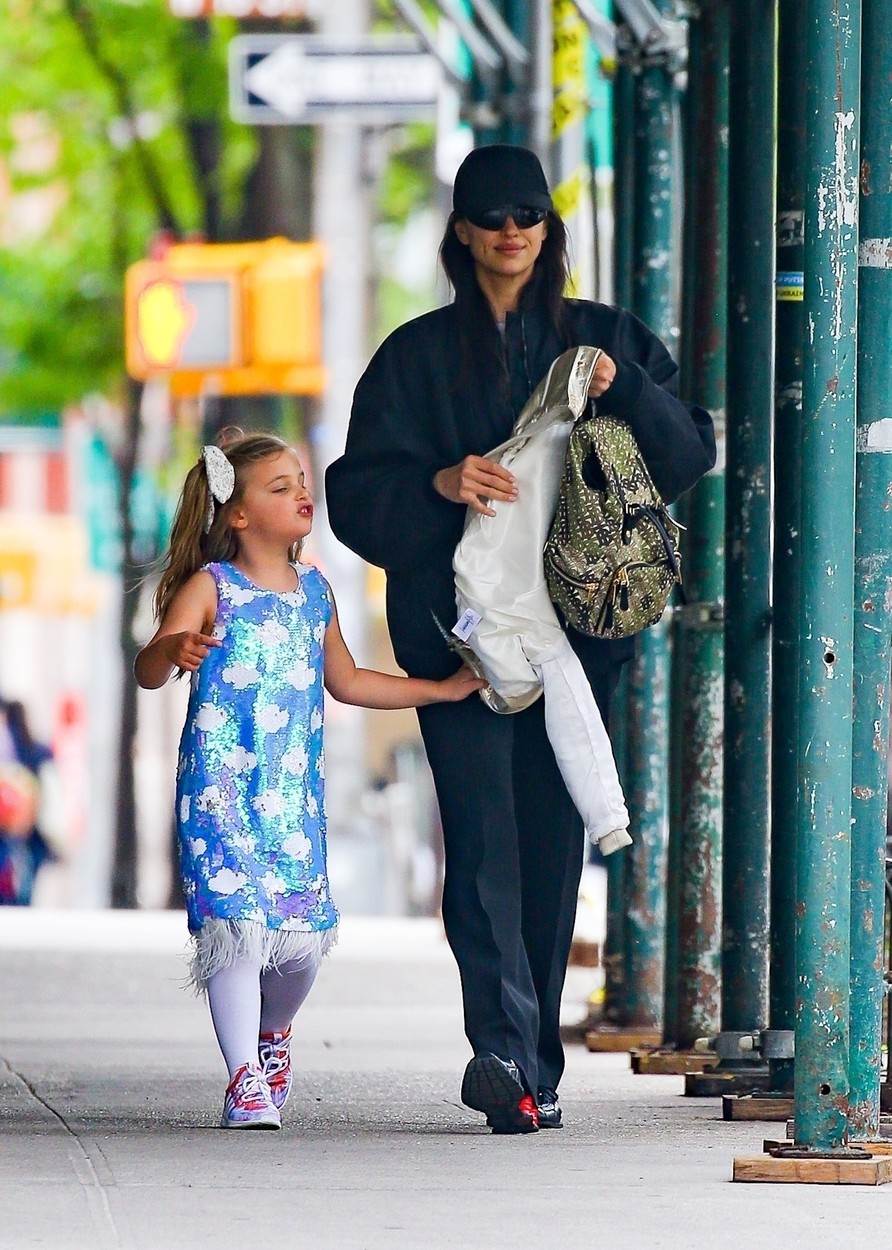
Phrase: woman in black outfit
{"type": "Point", "coordinates": [440, 392]}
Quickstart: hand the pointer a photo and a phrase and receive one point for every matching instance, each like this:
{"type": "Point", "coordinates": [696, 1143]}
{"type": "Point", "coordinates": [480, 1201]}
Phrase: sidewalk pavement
{"type": "Point", "coordinates": [110, 1093]}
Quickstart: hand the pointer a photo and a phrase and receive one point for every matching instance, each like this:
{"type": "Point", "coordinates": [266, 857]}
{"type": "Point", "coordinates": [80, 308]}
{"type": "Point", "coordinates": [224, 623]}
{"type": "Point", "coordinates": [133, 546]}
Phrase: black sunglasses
{"type": "Point", "coordinates": [523, 216]}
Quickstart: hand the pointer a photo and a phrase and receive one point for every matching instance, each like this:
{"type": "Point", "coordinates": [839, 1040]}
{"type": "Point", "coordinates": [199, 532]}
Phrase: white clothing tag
{"type": "Point", "coordinates": [466, 624]}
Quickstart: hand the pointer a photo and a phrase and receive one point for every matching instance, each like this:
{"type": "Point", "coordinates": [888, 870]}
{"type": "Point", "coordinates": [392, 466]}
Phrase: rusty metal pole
{"type": "Point", "coordinates": [699, 635]}
{"type": "Point", "coordinates": [623, 182]}
{"type": "Point", "coordinates": [653, 300]}
{"type": "Point", "coordinates": [614, 960]}
{"type": "Point", "coordinates": [873, 575]}
{"type": "Point", "coordinates": [750, 402]}
{"type": "Point", "coordinates": [673, 849]}
{"type": "Point", "coordinates": [787, 501]}
{"type": "Point", "coordinates": [615, 1008]}
{"type": "Point", "coordinates": [823, 893]}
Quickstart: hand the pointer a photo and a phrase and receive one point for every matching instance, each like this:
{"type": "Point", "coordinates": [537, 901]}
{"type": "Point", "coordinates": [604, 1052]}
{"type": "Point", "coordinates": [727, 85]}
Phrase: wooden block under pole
{"type": "Point", "coordinates": [715, 1084]}
{"type": "Point", "coordinates": [670, 1062]}
{"type": "Point", "coordinates": [876, 1170]}
{"type": "Point", "coordinates": [618, 1040]}
{"type": "Point", "coordinates": [879, 1146]}
{"type": "Point", "coordinates": [756, 1107]}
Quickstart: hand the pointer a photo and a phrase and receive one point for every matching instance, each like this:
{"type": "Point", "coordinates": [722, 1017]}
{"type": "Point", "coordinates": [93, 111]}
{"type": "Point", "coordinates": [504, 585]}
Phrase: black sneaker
{"type": "Point", "coordinates": [550, 1115]}
{"type": "Point", "coordinates": [495, 1086]}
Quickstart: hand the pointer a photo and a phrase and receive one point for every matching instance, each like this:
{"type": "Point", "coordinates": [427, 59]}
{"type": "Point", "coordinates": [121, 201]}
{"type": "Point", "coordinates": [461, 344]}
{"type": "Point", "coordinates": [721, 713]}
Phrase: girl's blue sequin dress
{"type": "Point", "coordinates": [251, 778]}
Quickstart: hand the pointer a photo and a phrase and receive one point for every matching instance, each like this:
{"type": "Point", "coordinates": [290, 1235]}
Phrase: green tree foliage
{"type": "Point", "coordinates": [114, 112]}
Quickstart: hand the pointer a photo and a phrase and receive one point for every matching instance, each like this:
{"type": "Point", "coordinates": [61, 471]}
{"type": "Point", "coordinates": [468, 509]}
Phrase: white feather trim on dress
{"type": "Point", "coordinates": [219, 943]}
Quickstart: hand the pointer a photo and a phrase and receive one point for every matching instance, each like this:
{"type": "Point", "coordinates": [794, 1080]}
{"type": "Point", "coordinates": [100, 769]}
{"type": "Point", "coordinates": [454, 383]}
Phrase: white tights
{"type": "Point", "coordinates": [246, 1002]}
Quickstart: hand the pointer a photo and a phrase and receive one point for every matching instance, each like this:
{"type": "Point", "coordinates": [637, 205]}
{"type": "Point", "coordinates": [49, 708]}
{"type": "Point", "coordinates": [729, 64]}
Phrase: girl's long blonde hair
{"type": "Point", "coordinates": [190, 547]}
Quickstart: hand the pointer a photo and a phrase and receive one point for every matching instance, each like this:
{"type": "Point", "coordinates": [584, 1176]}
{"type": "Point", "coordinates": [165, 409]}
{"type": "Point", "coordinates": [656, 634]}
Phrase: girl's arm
{"type": "Point", "coordinates": [183, 638]}
{"type": "Point", "coordinates": [366, 688]}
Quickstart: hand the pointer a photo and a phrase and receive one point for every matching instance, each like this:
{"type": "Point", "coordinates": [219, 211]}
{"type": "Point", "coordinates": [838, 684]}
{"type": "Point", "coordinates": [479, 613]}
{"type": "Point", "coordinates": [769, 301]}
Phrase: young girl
{"type": "Point", "coordinates": [257, 630]}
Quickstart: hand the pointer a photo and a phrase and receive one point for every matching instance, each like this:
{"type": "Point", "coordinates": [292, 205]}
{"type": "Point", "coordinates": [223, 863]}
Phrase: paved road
{"type": "Point", "coordinates": [110, 1090]}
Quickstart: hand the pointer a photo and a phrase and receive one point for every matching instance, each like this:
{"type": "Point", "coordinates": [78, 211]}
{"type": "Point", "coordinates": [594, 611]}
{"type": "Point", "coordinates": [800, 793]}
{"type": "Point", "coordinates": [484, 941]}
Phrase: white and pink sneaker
{"type": "Point", "coordinates": [275, 1062]}
{"type": "Point", "coordinates": [248, 1102]}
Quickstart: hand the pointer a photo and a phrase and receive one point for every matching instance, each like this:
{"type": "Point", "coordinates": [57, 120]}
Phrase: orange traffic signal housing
{"type": "Point", "coordinates": [228, 318]}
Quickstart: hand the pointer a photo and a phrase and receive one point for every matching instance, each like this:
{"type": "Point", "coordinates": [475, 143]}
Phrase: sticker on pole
{"type": "Point", "coordinates": [789, 285]}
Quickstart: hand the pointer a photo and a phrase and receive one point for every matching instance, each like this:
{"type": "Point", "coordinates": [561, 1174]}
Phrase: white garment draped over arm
{"type": "Point", "coordinates": [519, 641]}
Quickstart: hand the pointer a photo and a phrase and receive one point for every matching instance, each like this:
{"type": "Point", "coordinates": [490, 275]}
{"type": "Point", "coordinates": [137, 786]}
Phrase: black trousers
{"type": "Point", "coordinates": [514, 852]}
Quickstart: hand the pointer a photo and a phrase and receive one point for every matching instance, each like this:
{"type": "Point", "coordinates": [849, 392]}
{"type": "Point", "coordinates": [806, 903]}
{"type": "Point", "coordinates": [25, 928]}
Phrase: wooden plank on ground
{"type": "Point", "coordinates": [618, 1040]}
{"type": "Point", "coordinates": [882, 1146]}
{"type": "Point", "coordinates": [768, 1170]}
{"type": "Point", "coordinates": [716, 1084]}
{"type": "Point", "coordinates": [755, 1107]}
{"type": "Point", "coordinates": [670, 1063]}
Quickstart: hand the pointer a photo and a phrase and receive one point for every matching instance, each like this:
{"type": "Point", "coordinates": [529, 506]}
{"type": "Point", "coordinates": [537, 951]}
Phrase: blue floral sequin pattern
{"type": "Point", "coordinates": [251, 778]}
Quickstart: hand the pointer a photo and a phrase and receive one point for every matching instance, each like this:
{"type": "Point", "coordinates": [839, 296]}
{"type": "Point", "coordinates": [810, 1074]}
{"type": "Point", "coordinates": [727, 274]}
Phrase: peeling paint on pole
{"type": "Point", "coordinates": [615, 1010]}
{"type": "Point", "coordinates": [873, 577]}
{"type": "Point", "coordinates": [825, 597]}
{"type": "Point", "coordinates": [790, 340]}
{"type": "Point", "coordinates": [699, 636]}
{"type": "Point", "coordinates": [750, 401]}
{"type": "Point", "coordinates": [645, 862]}
{"type": "Point", "coordinates": [647, 793]}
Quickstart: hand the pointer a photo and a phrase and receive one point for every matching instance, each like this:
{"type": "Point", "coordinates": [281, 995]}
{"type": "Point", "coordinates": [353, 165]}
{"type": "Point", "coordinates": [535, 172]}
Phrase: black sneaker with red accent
{"type": "Point", "coordinates": [550, 1115]}
{"type": "Point", "coordinates": [495, 1086]}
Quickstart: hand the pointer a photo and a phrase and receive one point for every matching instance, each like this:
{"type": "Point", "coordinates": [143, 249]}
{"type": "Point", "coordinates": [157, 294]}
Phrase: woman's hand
{"type": "Point", "coordinates": [474, 481]}
{"type": "Point", "coordinates": [460, 685]}
{"type": "Point", "coordinates": [605, 372]}
{"type": "Point", "coordinates": [186, 650]}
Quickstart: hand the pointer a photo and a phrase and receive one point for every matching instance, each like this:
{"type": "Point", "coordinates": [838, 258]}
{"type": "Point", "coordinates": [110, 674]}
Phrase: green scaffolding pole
{"type": "Point", "coordinates": [873, 575]}
{"type": "Point", "coordinates": [823, 893]}
{"type": "Point", "coordinates": [515, 126]}
{"type": "Point", "coordinates": [750, 392]}
{"type": "Point", "coordinates": [699, 636]}
{"type": "Point", "coordinates": [673, 844]}
{"type": "Point", "coordinates": [623, 183]}
{"type": "Point", "coordinates": [614, 1012]}
{"type": "Point", "coordinates": [787, 498]}
{"type": "Point", "coordinates": [615, 1001]}
{"type": "Point", "coordinates": [656, 195]}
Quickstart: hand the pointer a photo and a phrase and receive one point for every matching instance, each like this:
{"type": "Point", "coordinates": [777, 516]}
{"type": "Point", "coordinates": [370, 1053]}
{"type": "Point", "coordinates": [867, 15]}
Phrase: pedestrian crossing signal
{"type": "Point", "coordinates": [228, 318]}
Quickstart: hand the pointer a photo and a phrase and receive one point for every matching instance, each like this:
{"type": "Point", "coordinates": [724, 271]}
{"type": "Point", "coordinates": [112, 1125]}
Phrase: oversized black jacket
{"type": "Point", "coordinates": [412, 416]}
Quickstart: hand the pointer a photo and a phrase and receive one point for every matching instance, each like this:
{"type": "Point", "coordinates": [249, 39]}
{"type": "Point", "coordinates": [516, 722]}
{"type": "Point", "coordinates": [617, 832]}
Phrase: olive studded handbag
{"type": "Point", "coordinates": [612, 557]}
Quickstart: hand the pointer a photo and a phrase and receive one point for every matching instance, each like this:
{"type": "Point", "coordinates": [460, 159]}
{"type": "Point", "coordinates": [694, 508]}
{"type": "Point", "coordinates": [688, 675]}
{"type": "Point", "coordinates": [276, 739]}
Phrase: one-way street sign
{"type": "Point", "coordinates": [294, 79]}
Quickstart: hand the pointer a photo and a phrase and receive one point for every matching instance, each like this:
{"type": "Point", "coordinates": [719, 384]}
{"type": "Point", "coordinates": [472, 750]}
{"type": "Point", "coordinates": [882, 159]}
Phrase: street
{"type": "Point", "coordinates": [111, 1087]}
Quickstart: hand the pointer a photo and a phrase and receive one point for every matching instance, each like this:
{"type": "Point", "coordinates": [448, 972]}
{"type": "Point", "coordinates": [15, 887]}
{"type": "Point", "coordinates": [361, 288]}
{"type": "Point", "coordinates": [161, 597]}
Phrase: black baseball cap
{"type": "Point", "coordinates": [499, 175]}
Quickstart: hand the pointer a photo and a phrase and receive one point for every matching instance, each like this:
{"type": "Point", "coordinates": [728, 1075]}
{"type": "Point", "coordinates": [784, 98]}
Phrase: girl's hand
{"type": "Point", "coordinates": [475, 480]}
{"type": "Point", "coordinates": [605, 372]}
{"type": "Point", "coordinates": [460, 685]}
{"type": "Point", "coordinates": [187, 650]}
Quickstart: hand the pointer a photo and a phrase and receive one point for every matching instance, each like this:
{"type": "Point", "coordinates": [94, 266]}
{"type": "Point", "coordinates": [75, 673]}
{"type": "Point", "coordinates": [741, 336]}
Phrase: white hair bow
{"type": "Point", "coordinates": [221, 479]}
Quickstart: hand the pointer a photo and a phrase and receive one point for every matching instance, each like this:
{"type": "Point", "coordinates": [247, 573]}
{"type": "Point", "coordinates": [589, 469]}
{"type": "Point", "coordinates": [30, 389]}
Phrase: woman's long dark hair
{"type": "Point", "coordinates": [481, 349]}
